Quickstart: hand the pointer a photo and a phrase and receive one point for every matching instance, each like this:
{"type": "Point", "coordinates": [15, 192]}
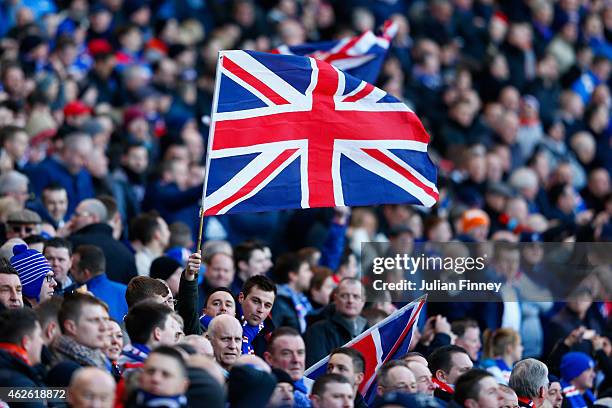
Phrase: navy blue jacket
{"type": "Point", "coordinates": [50, 170]}
{"type": "Point", "coordinates": [173, 204]}
{"type": "Point", "coordinates": [120, 262]}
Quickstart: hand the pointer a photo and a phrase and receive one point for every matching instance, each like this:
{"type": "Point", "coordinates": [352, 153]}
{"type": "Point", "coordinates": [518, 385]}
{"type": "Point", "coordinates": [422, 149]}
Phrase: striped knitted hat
{"type": "Point", "coordinates": [32, 268]}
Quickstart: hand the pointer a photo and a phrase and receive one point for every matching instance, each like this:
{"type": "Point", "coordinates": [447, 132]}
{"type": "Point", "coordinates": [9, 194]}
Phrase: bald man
{"type": "Point", "coordinates": [91, 386]}
{"type": "Point", "coordinates": [89, 225]}
{"type": "Point", "coordinates": [88, 212]}
{"type": "Point", "coordinates": [253, 360]}
{"type": "Point", "coordinates": [416, 357]}
{"type": "Point", "coordinates": [423, 377]}
{"type": "Point", "coordinates": [200, 343]}
{"type": "Point", "coordinates": [225, 335]}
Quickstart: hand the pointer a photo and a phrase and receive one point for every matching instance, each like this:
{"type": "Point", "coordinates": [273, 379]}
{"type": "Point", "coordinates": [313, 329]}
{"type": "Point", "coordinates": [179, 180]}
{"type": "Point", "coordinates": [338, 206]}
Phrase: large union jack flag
{"type": "Point", "coordinates": [361, 56]}
{"type": "Point", "coordinates": [388, 340]}
{"type": "Point", "coordinates": [296, 132]}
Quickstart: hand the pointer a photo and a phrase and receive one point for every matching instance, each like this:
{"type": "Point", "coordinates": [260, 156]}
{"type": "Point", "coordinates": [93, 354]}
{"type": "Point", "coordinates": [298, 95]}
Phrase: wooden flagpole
{"type": "Point", "coordinates": [200, 231]}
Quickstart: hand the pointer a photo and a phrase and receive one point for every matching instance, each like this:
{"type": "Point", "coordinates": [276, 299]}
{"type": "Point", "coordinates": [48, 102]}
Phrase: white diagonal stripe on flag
{"type": "Point", "coordinates": [247, 86]}
{"type": "Point", "coordinates": [410, 169]}
{"type": "Point", "coordinates": [376, 167]}
{"type": "Point", "coordinates": [244, 176]}
{"type": "Point", "coordinates": [261, 72]}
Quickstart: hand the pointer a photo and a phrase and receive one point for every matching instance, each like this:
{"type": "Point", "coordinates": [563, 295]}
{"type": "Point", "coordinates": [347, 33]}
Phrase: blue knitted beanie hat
{"type": "Point", "coordinates": [32, 268]}
{"type": "Point", "coordinates": [575, 363]}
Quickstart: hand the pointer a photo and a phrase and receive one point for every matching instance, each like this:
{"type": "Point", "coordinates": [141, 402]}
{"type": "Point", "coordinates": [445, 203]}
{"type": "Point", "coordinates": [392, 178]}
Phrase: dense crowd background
{"type": "Point", "coordinates": [104, 114]}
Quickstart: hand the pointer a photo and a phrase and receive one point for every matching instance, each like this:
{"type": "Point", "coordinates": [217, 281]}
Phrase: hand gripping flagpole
{"type": "Point", "coordinates": [200, 230]}
{"type": "Point", "coordinates": [199, 247]}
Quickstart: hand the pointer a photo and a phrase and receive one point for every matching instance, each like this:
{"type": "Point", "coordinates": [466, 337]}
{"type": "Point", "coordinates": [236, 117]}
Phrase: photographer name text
{"type": "Point", "coordinates": [437, 286]}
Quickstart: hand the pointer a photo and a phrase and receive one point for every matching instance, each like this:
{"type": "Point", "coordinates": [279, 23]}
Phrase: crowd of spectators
{"type": "Point", "coordinates": [104, 115]}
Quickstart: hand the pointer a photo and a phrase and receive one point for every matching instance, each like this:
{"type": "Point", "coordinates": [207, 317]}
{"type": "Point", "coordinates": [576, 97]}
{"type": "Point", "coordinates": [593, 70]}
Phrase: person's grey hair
{"type": "Point", "coordinates": [76, 140]}
{"type": "Point", "coordinates": [6, 250]}
{"type": "Point", "coordinates": [217, 321]}
{"type": "Point", "coordinates": [528, 376]}
{"type": "Point", "coordinates": [382, 374]}
{"type": "Point", "coordinates": [91, 375]}
{"type": "Point", "coordinates": [11, 181]}
{"type": "Point", "coordinates": [523, 177]}
{"type": "Point", "coordinates": [211, 248]}
{"type": "Point", "coordinates": [134, 71]}
{"type": "Point", "coordinates": [95, 207]}
{"type": "Point", "coordinates": [582, 139]}
{"type": "Point", "coordinates": [541, 5]}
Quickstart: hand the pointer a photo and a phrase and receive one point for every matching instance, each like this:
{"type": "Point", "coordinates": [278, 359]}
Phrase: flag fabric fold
{"type": "Point", "coordinates": [388, 340]}
{"type": "Point", "coordinates": [361, 56]}
{"type": "Point", "coordinates": [296, 132]}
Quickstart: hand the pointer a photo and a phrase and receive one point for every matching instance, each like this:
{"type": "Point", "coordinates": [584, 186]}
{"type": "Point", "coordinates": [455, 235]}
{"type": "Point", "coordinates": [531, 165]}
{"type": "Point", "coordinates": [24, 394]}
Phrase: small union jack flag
{"type": "Point", "coordinates": [296, 132]}
{"type": "Point", "coordinates": [388, 340]}
{"type": "Point", "coordinates": [361, 56]}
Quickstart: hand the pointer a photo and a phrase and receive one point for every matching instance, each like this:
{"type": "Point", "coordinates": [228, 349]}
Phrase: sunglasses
{"type": "Point", "coordinates": [21, 229]}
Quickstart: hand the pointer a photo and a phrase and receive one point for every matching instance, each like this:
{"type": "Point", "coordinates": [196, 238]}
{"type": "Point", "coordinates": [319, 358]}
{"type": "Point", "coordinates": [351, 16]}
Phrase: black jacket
{"type": "Point", "coordinates": [120, 262]}
{"type": "Point", "coordinates": [187, 305]}
{"type": "Point", "coordinates": [284, 313]}
{"type": "Point", "coordinates": [204, 290]}
{"type": "Point", "coordinates": [260, 342]}
{"type": "Point", "coordinates": [359, 402]}
{"type": "Point", "coordinates": [16, 373]}
{"type": "Point", "coordinates": [204, 390]}
{"type": "Point", "coordinates": [439, 340]}
{"type": "Point", "coordinates": [324, 336]}
{"type": "Point", "coordinates": [444, 398]}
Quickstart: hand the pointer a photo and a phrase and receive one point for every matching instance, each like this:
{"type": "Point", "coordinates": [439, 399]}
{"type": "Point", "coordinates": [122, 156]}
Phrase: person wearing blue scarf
{"type": "Point", "coordinates": [256, 300]}
{"type": "Point", "coordinates": [220, 301]}
{"type": "Point", "coordinates": [287, 351]}
{"type": "Point", "coordinates": [293, 274]}
{"type": "Point", "coordinates": [249, 332]}
{"type": "Point", "coordinates": [133, 356]}
{"type": "Point", "coordinates": [577, 375]}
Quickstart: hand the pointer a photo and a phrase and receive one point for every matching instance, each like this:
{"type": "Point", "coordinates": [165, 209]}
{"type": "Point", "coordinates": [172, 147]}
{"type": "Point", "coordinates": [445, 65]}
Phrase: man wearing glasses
{"type": "Point", "coordinates": [35, 274]}
{"type": "Point", "coordinates": [22, 224]}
